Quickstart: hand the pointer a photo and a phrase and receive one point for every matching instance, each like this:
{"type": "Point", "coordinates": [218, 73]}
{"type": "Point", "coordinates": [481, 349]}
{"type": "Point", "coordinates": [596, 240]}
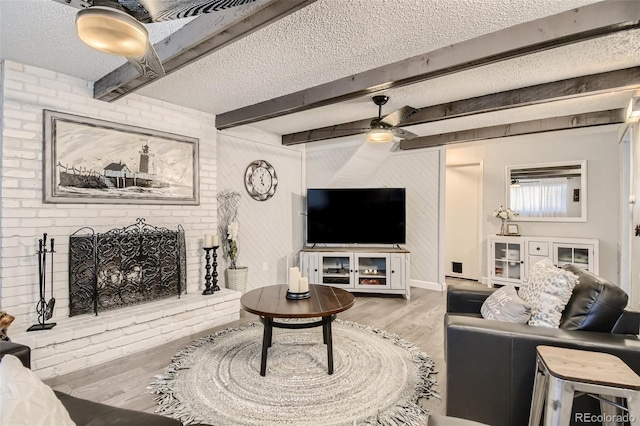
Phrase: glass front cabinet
{"type": "Point", "coordinates": [372, 271]}
{"type": "Point", "coordinates": [336, 269]}
{"type": "Point", "coordinates": [511, 258]}
{"type": "Point", "coordinates": [380, 271]}
{"type": "Point", "coordinates": [581, 255]}
{"type": "Point", "coordinates": [506, 260]}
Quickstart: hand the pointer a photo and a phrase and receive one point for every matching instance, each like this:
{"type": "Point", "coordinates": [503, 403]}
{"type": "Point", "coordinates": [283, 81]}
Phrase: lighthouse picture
{"type": "Point", "coordinates": [111, 163]}
{"type": "Point", "coordinates": [144, 159]}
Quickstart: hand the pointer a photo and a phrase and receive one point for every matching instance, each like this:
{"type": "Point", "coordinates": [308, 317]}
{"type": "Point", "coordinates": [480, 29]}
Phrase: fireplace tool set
{"type": "Point", "coordinates": [44, 307]}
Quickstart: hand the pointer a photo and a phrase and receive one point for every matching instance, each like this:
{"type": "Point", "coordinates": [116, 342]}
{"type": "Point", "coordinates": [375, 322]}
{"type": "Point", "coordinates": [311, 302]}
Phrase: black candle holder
{"type": "Point", "coordinates": [209, 288]}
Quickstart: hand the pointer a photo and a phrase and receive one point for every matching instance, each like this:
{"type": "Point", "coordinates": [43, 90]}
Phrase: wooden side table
{"type": "Point", "coordinates": [561, 372]}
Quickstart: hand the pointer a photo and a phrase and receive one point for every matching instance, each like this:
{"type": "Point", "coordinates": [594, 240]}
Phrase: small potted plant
{"type": "Point", "coordinates": [236, 275]}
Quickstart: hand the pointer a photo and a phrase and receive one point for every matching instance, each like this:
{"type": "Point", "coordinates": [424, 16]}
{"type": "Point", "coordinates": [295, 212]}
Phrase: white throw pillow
{"type": "Point", "coordinates": [547, 289]}
{"type": "Point", "coordinates": [25, 400]}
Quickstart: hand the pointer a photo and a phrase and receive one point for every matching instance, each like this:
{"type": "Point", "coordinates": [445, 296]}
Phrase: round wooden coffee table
{"type": "Point", "coordinates": [271, 302]}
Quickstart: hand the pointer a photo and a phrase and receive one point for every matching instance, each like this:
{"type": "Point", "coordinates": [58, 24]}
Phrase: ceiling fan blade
{"type": "Point", "coordinates": [164, 10]}
{"type": "Point", "coordinates": [149, 64]}
{"type": "Point", "coordinates": [131, 7]}
{"type": "Point", "coordinates": [397, 117]}
{"type": "Point", "coordinates": [395, 147]}
{"type": "Point", "coordinates": [352, 129]}
{"type": "Point", "coordinates": [403, 134]}
{"type": "Point", "coordinates": [78, 4]}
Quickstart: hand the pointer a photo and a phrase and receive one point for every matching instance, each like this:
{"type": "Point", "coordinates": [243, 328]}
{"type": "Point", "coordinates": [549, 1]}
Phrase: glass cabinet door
{"type": "Point", "coordinates": [372, 271]}
{"type": "Point", "coordinates": [576, 254]}
{"type": "Point", "coordinates": [508, 261]}
{"type": "Point", "coordinates": [336, 270]}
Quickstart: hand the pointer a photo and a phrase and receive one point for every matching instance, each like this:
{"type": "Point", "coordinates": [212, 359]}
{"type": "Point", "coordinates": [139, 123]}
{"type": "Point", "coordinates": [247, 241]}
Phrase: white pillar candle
{"type": "Point", "coordinates": [208, 240]}
{"type": "Point", "coordinates": [294, 278]}
{"type": "Point", "coordinates": [216, 240]}
{"type": "Point", "coordinates": [303, 284]}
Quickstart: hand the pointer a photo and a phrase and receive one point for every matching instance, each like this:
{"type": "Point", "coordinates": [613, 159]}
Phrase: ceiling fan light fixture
{"type": "Point", "coordinates": [380, 135]}
{"type": "Point", "coordinates": [112, 31]}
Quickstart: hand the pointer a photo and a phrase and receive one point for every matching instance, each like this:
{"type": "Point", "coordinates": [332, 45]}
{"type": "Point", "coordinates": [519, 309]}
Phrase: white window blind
{"type": "Point", "coordinates": [546, 198]}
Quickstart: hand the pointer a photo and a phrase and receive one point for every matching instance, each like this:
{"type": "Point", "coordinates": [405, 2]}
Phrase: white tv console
{"type": "Point", "coordinates": [371, 270]}
{"type": "Point", "coordinates": [510, 258]}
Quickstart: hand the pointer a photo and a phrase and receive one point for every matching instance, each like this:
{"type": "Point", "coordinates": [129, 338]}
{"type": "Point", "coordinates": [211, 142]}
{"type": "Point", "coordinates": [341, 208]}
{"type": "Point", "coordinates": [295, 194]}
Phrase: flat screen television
{"type": "Point", "coordinates": [356, 216]}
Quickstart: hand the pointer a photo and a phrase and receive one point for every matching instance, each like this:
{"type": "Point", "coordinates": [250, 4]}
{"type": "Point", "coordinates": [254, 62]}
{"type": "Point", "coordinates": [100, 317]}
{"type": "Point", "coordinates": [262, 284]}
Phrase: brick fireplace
{"type": "Point", "coordinates": [127, 292]}
{"type": "Point", "coordinates": [125, 266]}
{"type": "Point", "coordinates": [85, 340]}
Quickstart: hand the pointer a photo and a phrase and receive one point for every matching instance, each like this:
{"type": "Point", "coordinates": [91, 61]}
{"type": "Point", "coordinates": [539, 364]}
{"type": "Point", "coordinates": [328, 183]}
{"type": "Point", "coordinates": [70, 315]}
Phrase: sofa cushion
{"type": "Point", "coordinates": [547, 289]}
{"type": "Point", "coordinates": [595, 305]}
{"type": "Point", "coordinates": [25, 400]}
{"type": "Point", "coordinates": [89, 413]}
{"type": "Point", "coordinates": [504, 304]}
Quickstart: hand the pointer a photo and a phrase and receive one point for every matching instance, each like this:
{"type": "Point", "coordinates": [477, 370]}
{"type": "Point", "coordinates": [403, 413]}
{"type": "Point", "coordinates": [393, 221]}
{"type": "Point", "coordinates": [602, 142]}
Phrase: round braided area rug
{"type": "Point", "coordinates": [378, 379]}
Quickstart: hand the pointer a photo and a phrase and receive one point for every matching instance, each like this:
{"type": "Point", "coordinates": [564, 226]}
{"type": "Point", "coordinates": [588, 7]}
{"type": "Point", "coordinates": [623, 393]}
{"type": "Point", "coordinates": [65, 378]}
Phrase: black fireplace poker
{"type": "Point", "coordinates": [44, 309]}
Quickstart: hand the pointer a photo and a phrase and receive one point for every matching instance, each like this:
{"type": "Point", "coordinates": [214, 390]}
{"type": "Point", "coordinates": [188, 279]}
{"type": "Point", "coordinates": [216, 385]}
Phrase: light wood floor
{"type": "Point", "coordinates": [123, 382]}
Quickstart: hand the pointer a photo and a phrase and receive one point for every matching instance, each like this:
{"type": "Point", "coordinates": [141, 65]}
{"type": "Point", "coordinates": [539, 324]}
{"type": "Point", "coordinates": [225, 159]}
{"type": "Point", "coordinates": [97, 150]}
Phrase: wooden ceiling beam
{"type": "Point", "coordinates": [576, 121]}
{"type": "Point", "coordinates": [573, 26]}
{"type": "Point", "coordinates": [607, 82]}
{"type": "Point", "coordinates": [201, 36]}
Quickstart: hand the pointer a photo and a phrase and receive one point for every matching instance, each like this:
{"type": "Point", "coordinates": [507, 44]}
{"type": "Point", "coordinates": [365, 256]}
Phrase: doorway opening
{"type": "Point", "coordinates": [463, 209]}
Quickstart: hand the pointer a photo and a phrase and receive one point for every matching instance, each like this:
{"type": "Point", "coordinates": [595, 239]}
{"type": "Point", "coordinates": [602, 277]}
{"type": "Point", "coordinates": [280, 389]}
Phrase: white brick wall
{"type": "Point", "coordinates": [24, 217]}
{"type": "Point", "coordinates": [88, 340]}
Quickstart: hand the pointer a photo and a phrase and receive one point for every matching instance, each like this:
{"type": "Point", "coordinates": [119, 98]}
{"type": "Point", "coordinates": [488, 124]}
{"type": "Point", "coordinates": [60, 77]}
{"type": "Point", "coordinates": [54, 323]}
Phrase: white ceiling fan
{"type": "Point", "coordinates": [116, 26]}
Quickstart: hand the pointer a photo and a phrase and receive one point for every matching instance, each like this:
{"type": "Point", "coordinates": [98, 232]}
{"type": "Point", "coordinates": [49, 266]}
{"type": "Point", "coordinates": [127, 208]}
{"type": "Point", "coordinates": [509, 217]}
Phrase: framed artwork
{"type": "Point", "coordinates": [513, 229]}
{"type": "Point", "coordinates": [87, 160]}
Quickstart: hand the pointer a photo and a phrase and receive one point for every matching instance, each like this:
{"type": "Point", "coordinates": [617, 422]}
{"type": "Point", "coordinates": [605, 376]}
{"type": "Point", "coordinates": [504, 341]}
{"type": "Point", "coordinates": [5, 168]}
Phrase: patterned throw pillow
{"type": "Point", "coordinates": [505, 305]}
{"type": "Point", "coordinates": [547, 288]}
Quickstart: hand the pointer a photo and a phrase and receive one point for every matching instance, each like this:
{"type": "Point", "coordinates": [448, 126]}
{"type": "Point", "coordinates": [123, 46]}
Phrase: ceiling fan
{"type": "Point", "coordinates": [115, 26]}
{"type": "Point", "coordinates": [384, 129]}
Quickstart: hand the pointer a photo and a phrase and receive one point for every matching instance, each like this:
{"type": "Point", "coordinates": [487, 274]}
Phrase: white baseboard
{"type": "Point", "coordinates": [428, 285]}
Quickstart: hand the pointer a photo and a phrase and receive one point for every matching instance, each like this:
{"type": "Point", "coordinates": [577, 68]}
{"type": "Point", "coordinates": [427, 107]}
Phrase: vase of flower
{"type": "Point", "coordinates": [236, 277]}
{"type": "Point", "coordinates": [504, 214]}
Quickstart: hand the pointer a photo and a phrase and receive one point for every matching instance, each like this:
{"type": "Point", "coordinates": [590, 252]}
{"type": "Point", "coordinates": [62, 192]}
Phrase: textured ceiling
{"type": "Point", "coordinates": [594, 56]}
{"type": "Point", "coordinates": [331, 39]}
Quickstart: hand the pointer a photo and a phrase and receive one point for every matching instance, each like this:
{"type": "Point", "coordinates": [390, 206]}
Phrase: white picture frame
{"type": "Point", "coordinates": [513, 229]}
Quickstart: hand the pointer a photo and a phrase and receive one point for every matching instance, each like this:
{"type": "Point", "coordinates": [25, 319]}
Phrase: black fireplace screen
{"type": "Point", "coordinates": [125, 266]}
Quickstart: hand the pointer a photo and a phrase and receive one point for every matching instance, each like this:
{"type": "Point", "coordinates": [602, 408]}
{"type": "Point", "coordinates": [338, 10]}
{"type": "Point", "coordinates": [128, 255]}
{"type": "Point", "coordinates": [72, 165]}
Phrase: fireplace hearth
{"type": "Point", "coordinates": [125, 266]}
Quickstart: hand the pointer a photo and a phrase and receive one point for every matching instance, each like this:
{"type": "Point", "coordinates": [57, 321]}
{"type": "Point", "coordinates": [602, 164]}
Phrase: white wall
{"type": "Point", "coordinates": [596, 145]}
{"type": "Point", "coordinates": [635, 217]}
{"type": "Point", "coordinates": [27, 91]}
{"type": "Point", "coordinates": [271, 230]}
